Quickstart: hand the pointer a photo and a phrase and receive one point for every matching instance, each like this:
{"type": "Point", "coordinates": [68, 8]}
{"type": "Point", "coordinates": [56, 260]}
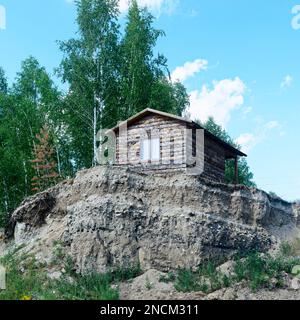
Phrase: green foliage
{"type": "Point", "coordinates": [148, 284]}
{"type": "Point", "coordinates": [109, 75]}
{"type": "Point", "coordinates": [3, 82]}
{"type": "Point", "coordinates": [169, 97]}
{"type": "Point", "coordinates": [286, 249]}
{"type": "Point", "coordinates": [188, 281]}
{"type": "Point", "coordinates": [290, 249]}
{"type": "Point", "coordinates": [90, 68]}
{"type": "Point", "coordinates": [259, 270]}
{"type": "Point", "coordinates": [119, 274]}
{"type": "Point", "coordinates": [29, 104]}
{"type": "Point", "coordinates": [27, 280]}
{"type": "Point", "coordinates": [245, 175]}
{"type": "Point", "coordinates": [205, 279]}
{"type": "Point", "coordinates": [87, 287]}
{"type": "Point", "coordinates": [144, 77]}
{"type": "Point", "coordinates": [19, 284]}
{"type": "Point", "coordinates": [296, 271]}
{"type": "Point", "coordinates": [170, 277]}
{"type": "Point", "coordinates": [273, 194]}
{"type": "Point", "coordinates": [138, 66]}
{"type": "Point", "coordinates": [112, 76]}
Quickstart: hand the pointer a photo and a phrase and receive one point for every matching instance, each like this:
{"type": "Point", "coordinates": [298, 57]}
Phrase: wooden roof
{"type": "Point", "coordinates": [231, 151]}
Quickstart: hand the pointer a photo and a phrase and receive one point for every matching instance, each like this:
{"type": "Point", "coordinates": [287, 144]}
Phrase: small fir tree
{"type": "Point", "coordinates": [44, 163]}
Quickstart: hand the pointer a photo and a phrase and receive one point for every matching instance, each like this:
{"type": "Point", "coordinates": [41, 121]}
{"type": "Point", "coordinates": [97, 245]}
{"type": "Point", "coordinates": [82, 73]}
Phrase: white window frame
{"type": "Point", "coordinates": [153, 150]}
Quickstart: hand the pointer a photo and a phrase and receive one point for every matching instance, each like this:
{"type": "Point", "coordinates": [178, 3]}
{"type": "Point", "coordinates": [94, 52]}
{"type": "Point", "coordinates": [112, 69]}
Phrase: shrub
{"type": "Point", "coordinates": [259, 269]}
{"type": "Point", "coordinates": [28, 280]}
{"type": "Point", "coordinates": [205, 279]}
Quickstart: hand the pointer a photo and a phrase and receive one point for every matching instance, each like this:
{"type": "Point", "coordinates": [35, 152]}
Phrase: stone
{"type": "Point", "coordinates": [2, 277]}
{"type": "Point", "coordinates": [149, 286]}
{"type": "Point", "coordinates": [295, 284]}
{"type": "Point", "coordinates": [55, 275]}
{"type": "Point", "coordinates": [296, 270]}
{"type": "Point", "coordinates": [222, 294]}
{"type": "Point", "coordinates": [167, 221]}
{"type": "Point", "coordinates": [227, 268]}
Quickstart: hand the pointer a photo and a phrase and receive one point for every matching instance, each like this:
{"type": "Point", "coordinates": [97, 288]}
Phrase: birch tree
{"type": "Point", "coordinates": [145, 78]}
{"type": "Point", "coordinates": [3, 82]}
{"type": "Point", "coordinates": [90, 67]}
{"type": "Point", "coordinates": [26, 106]}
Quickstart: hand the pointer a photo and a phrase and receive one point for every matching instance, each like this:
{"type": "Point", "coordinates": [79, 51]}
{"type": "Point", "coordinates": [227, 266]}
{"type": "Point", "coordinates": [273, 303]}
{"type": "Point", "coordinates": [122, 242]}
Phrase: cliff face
{"type": "Point", "coordinates": [111, 216]}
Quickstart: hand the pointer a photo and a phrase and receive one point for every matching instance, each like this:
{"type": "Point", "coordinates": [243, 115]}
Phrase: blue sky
{"type": "Point", "coordinates": [239, 60]}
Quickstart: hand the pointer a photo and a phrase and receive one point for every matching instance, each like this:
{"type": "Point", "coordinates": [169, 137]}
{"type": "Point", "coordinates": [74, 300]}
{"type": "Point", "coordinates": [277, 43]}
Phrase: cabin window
{"type": "Point", "coordinates": [150, 149]}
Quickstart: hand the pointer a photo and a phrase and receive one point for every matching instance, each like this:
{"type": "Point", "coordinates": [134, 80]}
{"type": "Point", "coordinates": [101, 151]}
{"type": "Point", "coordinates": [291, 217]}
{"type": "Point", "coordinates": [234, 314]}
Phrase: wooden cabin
{"type": "Point", "coordinates": [159, 142]}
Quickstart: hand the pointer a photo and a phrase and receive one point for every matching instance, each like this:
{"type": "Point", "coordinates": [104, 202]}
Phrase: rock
{"type": "Point", "coordinates": [2, 278]}
{"type": "Point", "coordinates": [111, 216]}
{"type": "Point", "coordinates": [285, 278]}
{"type": "Point", "coordinates": [55, 275]}
{"type": "Point", "coordinates": [2, 234]}
{"type": "Point", "coordinates": [273, 283]}
{"type": "Point", "coordinates": [295, 284]}
{"type": "Point", "coordinates": [296, 270]}
{"type": "Point", "coordinates": [150, 287]}
{"type": "Point", "coordinates": [223, 294]}
{"type": "Point", "coordinates": [147, 286]}
{"type": "Point", "coordinates": [2, 242]}
{"type": "Point", "coordinates": [227, 268]}
{"type": "Point", "coordinates": [33, 210]}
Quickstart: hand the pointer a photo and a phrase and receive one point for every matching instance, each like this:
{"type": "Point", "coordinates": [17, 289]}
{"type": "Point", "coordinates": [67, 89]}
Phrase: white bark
{"type": "Point", "coordinates": [5, 195]}
{"type": "Point", "coordinates": [95, 134]}
{"type": "Point", "coordinates": [58, 161]}
{"type": "Point", "coordinates": [25, 177]}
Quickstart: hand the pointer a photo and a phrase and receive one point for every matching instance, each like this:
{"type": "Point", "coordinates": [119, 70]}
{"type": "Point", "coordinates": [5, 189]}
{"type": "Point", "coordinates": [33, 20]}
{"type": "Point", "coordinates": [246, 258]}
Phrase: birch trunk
{"type": "Point", "coordinates": [58, 162]}
{"type": "Point", "coordinates": [25, 178]}
{"type": "Point", "coordinates": [6, 199]}
{"type": "Point", "coordinates": [95, 134]}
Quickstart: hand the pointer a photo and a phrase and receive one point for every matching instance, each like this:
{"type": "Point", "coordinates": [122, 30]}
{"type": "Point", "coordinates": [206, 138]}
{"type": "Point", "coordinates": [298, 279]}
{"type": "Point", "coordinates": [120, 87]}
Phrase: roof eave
{"type": "Point", "coordinates": [235, 151]}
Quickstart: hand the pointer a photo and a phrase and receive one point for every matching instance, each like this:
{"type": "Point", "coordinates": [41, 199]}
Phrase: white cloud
{"type": "Point", "coordinates": [247, 110]}
{"type": "Point", "coordinates": [189, 69]}
{"type": "Point", "coordinates": [250, 140]}
{"type": "Point", "coordinates": [272, 125]}
{"type": "Point", "coordinates": [2, 17]}
{"type": "Point", "coordinates": [225, 96]}
{"type": "Point", "coordinates": [156, 6]}
{"type": "Point", "coordinates": [286, 82]}
{"type": "Point", "coordinates": [246, 141]}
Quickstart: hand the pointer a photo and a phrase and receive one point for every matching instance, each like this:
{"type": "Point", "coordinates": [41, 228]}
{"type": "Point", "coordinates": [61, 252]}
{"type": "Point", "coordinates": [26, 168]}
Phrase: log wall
{"type": "Point", "coordinates": [173, 147]}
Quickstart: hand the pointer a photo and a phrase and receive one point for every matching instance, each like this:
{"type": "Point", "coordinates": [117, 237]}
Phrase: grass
{"type": "Point", "coordinates": [170, 277]}
{"type": "Point", "coordinates": [257, 270]}
{"type": "Point", "coordinates": [28, 280]}
{"type": "Point", "coordinates": [263, 271]}
{"type": "Point", "coordinates": [148, 284]}
{"type": "Point", "coordinates": [290, 249]}
{"type": "Point", "coordinates": [205, 279]}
